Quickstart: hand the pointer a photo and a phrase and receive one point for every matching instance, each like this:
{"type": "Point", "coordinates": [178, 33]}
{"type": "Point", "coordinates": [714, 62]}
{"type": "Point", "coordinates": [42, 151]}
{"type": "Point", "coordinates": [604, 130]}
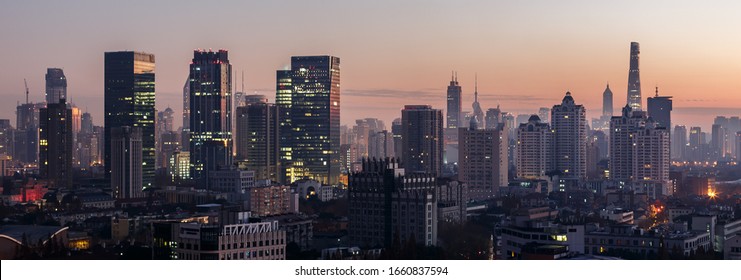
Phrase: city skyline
{"type": "Point", "coordinates": [535, 66]}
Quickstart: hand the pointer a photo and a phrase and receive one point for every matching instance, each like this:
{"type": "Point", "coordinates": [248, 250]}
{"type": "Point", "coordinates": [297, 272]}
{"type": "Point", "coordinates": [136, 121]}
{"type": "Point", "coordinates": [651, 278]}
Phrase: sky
{"type": "Point", "coordinates": [526, 54]}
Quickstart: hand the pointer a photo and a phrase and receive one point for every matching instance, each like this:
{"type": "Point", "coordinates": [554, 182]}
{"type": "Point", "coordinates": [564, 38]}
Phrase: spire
{"type": "Point", "coordinates": [476, 88]}
{"type": "Point", "coordinates": [456, 76]}
{"type": "Point", "coordinates": [657, 91]}
{"type": "Point", "coordinates": [242, 80]}
{"type": "Point", "coordinates": [608, 85]}
{"type": "Point", "coordinates": [452, 75]}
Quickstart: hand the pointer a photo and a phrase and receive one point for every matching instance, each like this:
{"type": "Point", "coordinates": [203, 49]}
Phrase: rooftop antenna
{"type": "Point", "coordinates": [476, 88]}
{"type": "Point", "coordinates": [657, 91]}
{"type": "Point", "coordinates": [242, 80]}
{"type": "Point", "coordinates": [26, 84]}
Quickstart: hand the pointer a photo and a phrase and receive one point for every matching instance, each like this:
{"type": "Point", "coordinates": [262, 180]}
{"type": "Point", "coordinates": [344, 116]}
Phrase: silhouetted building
{"type": "Point", "coordinates": [315, 117]}
{"type": "Point", "coordinates": [534, 149]}
{"type": "Point", "coordinates": [634, 79]}
{"type": "Point", "coordinates": [568, 120]}
{"type": "Point", "coordinates": [127, 162]}
{"type": "Point", "coordinates": [129, 101]}
{"type": "Point", "coordinates": [283, 92]}
{"type": "Point", "coordinates": [210, 114]}
{"type": "Point", "coordinates": [55, 144]}
{"type": "Point", "coordinates": [660, 110]}
{"type": "Point", "coordinates": [422, 139]}
{"type": "Point", "coordinates": [257, 138]}
{"type": "Point", "coordinates": [186, 116]}
{"type": "Point", "coordinates": [607, 102]}
{"type": "Point", "coordinates": [26, 138]}
{"type": "Point", "coordinates": [56, 85]}
{"type": "Point", "coordinates": [453, 116]}
{"type": "Point", "coordinates": [386, 205]}
{"type": "Point", "coordinates": [6, 138]}
{"type": "Point", "coordinates": [482, 160]}
{"type": "Point", "coordinates": [679, 142]}
{"type": "Point", "coordinates": [639, 150]}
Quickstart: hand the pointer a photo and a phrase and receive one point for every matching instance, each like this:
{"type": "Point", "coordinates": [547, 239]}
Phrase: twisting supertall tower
{"type": "Point", "coordinates": [634, 78]}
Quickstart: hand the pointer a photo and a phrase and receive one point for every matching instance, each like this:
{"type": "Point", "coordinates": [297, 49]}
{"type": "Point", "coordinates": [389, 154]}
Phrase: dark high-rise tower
{"type": "Point", "coordinates": [422, 139]}
{"type": "Point", "coordinates": [56, 85]}
{"type": "Point", "coordinates": [660, 110]}
{"type": "Point", "coordinates": [257, 137]}
{"type": "Point", "coordinates": [6, 138]}
{"type": "Point", "coordinates": [607, 102]}
{"type": "Point", "coordinates": [315, 117]}
{"type": "Point", "coordinates": [454, 103]}
{"type": "Point", "coordinates": [283, 91]}
{"type": "Point", "coordinates": [186, 116]}
{"type": "Point", "coordinates": [26, 138]}
{"type": "Point", "coordinates": [86, 123]}
{"type": "Point", "coordinates": [634, 79]}
{"type": "Point", "coordinates": [210, 114]}
{"type": "Point", "coordinates": [569, 122]}
{"type": "Point", "coordinates": [55, 144]}
{"type": "Point", "coordinates": [129, 101]}
{"type": "Point", "coordinates": [126, 162]}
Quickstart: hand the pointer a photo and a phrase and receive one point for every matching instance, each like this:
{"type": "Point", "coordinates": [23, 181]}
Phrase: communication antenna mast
{"type": "Point", "coordinates": [26, 84]}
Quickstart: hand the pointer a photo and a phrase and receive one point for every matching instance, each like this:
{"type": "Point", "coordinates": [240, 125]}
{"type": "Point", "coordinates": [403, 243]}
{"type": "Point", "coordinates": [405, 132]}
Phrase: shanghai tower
{"type": "Point", "coordinates": [634, 78]}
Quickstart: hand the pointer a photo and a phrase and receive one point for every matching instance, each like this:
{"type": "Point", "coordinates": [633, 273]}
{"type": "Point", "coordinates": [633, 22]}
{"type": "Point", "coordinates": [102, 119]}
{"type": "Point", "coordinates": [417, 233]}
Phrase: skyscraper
{"type": "Point", "coordinates": [283, 92]}
{"type": "Point", "coordinates": [570, 139]}
{"type": "Point", "coordinates": [210, 114]}
{"type": "Point", "coordinates": [679, 142]}
{"type": "Point", "coordinates": [634, 79]}
{"type": "Point", "coordinates": [385, 203]}
{"type": "Point", "coordinates": [86, 123]}
{"type": "Point", "coordinates": [718, 142]}
{"type": "Point", "coordinates": [55, 144]}
{"type": "Point", "coordinates": [6, 138]}
{"type": "Point", "coordinates": [622, 132]}
{"type": "Point", "coordinates": [607, 102]}
{"type": "Point", "coordinates": [422, 139]}
{"type": "Point", "coordinates": [380, 144]}
{"type": "Point", "coordinates": [186, 116]}
{"type": "Point", "coordinates": [494, 117]}
{"type": "Point", "coordinates": [660, 109]}
{"type": "Point", "coordinates": [165, 120]}
{"type": "Point", "coordinates": [257, 137]}
{"type": "Point", "coordinates": [639, 150]}
{"type": "Point", "coordinates": [454, 103]}
{"type": "Point", "coordinates": [315, 117]}
{"type": "Point", "coordinates": [26, 138]}
{"type": "Point", "coordinates": [534, 149]}
{"type": "Point", "coordinates": [696, 149]}
{"type": "Point", "coordinates": [129, 101]}
{"type": "Point", "coordinates": [56, 85]}
{"type": "Point", "coordinates": [126, 162]}
{"type": "Point", "coordinates": [482, 159]}
{"type": "Point", "coordinates": [396, 129]}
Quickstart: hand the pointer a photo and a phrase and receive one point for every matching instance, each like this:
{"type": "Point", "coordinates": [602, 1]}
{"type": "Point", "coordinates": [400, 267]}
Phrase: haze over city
{"type": "Point", "coordinates": [393, 53]}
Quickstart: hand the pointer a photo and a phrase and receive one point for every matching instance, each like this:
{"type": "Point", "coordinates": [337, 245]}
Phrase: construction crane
{"type": "Point", "coordinates": [26, 83]}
